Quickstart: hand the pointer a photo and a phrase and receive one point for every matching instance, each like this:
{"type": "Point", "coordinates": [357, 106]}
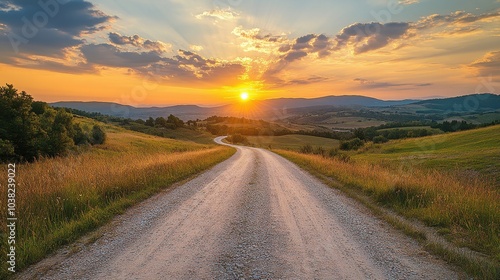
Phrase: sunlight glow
{"type": "Point", "coordinates": [244, 96]}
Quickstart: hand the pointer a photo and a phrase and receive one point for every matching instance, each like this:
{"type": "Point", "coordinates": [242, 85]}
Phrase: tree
{"type": "Point", "coordinates": [98, 135]}
{"type": "Point", "coordinates": [18, 124]}
{"type": "Point", "coordinates": [161, 122]}
{"type": "Point", "coordinates": [175, 121]}
{"type": "Point", "coordinates": [150, 122]}
{"type": "Point", "coordinates": [30, 129]}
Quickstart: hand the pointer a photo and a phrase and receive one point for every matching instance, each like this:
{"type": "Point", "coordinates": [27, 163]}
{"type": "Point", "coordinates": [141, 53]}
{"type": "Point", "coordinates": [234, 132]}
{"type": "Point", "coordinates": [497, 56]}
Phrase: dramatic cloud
{"type": "Point", "coordinates": [137, 41]}
{"type": "Point", "coordinates": [456, 18]}
{"type": "Point", "coordinates": [256, 34]}
{"type": "Point", "coordinates": [364, 37]}
{"type": "Point", "coordinates": [109, 55]}
{"type": "Point", "coordinates": [489, 65]}
{"type": "Point", "coordinates": [256, 40]}
{"type": "Point", "coordinates": [46, 29]}
{"type": "Point", "coordinates": [188, 67]}
{"type": "Point", "coordinates": [221, 14]}
{"type": "Point", "coordinates": [196, 48]}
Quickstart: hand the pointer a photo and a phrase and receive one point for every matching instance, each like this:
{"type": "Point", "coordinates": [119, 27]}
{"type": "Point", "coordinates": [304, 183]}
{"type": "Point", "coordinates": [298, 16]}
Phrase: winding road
{"type": "Point", "coordinates": [254, 216]}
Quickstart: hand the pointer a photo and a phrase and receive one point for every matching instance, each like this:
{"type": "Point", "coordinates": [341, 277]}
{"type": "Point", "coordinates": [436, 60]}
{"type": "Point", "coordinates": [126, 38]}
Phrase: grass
{"type": "Point", "coordinates": [472, 153]}
{"type": "Point", "coordinates": [60, 199]}
{"type": "Point", "coordinates": [291, 142]}
{"type": "Point", "coordinates": [469, 213]}
{"type": "Point", "coordinates": [428, 128]}
{"type": "Point", "coordinates": [464, 211]}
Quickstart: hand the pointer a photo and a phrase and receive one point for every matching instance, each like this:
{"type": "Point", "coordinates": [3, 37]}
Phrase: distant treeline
{"type": "Point", "coordinates": [247, 127]}
{"type": "Point", "coordinates": [32, 129]}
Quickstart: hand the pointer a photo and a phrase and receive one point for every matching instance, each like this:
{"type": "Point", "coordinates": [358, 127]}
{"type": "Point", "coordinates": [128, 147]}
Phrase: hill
{"type": "Point", "coordinates": [267, 109]}
{"type": "Point", "coordinates": [472, 153]}
{"type": "Point", "coordinates": [466, 103]}
{"type": "Point", "coordinates": [63, 198]}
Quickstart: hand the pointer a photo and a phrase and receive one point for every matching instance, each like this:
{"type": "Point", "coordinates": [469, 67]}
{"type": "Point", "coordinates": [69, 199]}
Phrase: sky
{"type": "Point", "coordinates": [167, 52]}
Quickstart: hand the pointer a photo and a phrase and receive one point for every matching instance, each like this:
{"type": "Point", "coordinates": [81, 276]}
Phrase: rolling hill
{"type": "Point", "coordinates": [266, 108]}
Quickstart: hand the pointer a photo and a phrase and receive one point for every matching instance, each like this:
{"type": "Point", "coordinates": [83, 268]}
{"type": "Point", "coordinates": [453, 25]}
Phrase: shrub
{"type": "Point", "coordinates": [307, 149]}
{"type": "Point", "coordinates": [379, 139]}
{"type": "Point", "coordinates": [237, 138]}
{"type": "Point", "coordinates": [319, 151]}
{"type": "Point", "coordinates": [353, 144]}
{"type": "Point", "coordinates": [98, 135]}
{"type": "Point", "coordinates": [333, 152]}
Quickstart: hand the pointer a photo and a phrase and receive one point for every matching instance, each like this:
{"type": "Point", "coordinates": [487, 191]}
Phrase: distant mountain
{"type": "Point", "coordinates": [185, 112]}
{"type": "Point", "coordinates": [466, 103]}
{"type": "Point", "coordinates": [285, 107]}
{"type": "Point", "coordinates": [343, 100]}
{"type": "Point", "coordinates": [265, 109]}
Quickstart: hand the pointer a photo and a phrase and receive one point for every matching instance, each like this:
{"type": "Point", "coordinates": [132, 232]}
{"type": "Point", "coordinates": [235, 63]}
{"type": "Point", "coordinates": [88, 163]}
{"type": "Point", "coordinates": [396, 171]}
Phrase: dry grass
{"type": "Point", "coordinates": [468, 212]}
{"type": "Point", "coordinates": [60, 199]}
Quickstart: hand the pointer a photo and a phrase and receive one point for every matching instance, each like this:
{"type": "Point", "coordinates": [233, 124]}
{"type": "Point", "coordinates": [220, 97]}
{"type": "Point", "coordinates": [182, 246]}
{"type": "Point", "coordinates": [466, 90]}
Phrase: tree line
{"type": "Point", "coordinates": [32, 129]}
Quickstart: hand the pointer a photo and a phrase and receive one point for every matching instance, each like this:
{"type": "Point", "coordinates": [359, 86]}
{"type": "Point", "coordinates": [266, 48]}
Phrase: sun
{"type": "Point", "coordinates": [244, 96]}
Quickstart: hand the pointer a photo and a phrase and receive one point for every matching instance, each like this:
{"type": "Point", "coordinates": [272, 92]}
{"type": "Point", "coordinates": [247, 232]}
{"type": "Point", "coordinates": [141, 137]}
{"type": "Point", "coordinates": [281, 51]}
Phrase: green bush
{"type": "Point", "coordinates": [307, 149]}
{"type": "Point", "coordinates": [98, 135]}
{"type": "Point", "coordinates": [30, 129]}
{"type": "Point", "coordinates": [237, 138]}
{"type": "Point", "coordinates": [353, 144]}
{"type": "Point", "coordinates": [379, 139]}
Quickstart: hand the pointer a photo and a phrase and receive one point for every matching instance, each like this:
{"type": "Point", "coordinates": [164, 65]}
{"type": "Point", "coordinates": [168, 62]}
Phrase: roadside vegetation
{"type": "Point", "coordinates": [31, 129]}
{"type": "Point", "coordinates": [61, 198]}
{"type": "Point", "coordinates": [237, 139]}
{"type": "Point", "coordinates": [448, 181]}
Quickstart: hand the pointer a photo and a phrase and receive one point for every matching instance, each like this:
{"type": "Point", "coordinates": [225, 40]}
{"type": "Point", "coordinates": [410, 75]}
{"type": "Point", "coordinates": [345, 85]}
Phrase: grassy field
{"type": "Point", "coordinates": [60, 199]}
{"type": "Point", "coordinates": [473, 153]}
{"type": "Point", "coordinates": [291, 142]}
{"type": "Point", "coordinates": [413, 179]}
{"type": "Point", "coordinates": [428, 128]}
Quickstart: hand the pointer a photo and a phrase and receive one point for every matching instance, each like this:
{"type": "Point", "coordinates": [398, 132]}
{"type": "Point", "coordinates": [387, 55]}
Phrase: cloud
{"type": "Point", "coordinates": [370, 84]}
{"type": "Point", "coordinates": [196, 48]}
{"type": "Point", "coordinates": [75, 17]}
{"type": "Point", "coordinates": [257, 34]}
{"type": "Point", "coordinates": [408, 2]}
{"type": "Point", "coordinates": [257, 40]}
{"type": "Point", "coordinates": [294, 55]}
{"type": "Point", "coordinates": [455, 18]}
{"type": "Point", "coordinates": [488, 65]}
{"type": "Point", "coordinates": [109, 55]}
{"type": "Point", "coordinates": [31, 28]}
{"type": "Point", "coordinates": [137, 41]}
{"type": "Point", "coordinates": [364, 37]}
{"type": "Point", "coordinates": [221, 14]}
{"type": "Point", "coordinates": [188, 67]}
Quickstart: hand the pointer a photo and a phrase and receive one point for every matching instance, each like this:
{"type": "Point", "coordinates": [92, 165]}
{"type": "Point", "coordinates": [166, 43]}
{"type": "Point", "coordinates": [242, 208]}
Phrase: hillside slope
{"type": "Point", "coordinates": [470, 153]}
{"type": "Point", "coordinates": [63, 198]}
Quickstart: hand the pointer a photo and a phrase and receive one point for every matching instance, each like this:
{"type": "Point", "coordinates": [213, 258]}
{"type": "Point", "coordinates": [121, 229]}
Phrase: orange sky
{"type": "Point", "coordinates": [211, 54]}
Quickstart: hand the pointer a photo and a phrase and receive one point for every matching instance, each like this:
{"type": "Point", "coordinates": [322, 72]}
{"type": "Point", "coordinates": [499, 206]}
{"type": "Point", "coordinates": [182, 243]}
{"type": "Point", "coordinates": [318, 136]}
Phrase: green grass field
{"type": "Point", "coordinates": [60, 199]}
{"type": "Point", "coordinates": [428, 128]}
{"type": "Point", "coordinates": [291, 142]}
{"type": "Point", "coordinates": [446, 181]}
{"type": "Point", "coordinates": [468, 153]}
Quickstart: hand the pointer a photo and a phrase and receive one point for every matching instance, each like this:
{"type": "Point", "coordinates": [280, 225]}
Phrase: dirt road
{"type": "Point", "coordinates": [254, 216]}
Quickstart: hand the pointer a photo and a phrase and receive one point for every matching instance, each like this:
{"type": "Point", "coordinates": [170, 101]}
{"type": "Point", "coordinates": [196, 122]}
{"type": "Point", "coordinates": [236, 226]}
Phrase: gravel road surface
{"type": "Point", "coordinates": [254, 216]}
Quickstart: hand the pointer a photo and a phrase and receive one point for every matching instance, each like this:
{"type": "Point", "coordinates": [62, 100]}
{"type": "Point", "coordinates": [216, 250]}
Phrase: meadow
{"type": "Point", "coordinates": [448, 182]}
{"type": "Point", "coordinates": [60, 199]}
{"type": "Point", "coordinates": [290, 142]}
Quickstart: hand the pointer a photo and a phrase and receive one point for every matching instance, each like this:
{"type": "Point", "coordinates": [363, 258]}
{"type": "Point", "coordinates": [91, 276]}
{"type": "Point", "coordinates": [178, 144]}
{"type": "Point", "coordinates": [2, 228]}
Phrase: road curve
{"type": "Point", "coordinates": [254, 216]}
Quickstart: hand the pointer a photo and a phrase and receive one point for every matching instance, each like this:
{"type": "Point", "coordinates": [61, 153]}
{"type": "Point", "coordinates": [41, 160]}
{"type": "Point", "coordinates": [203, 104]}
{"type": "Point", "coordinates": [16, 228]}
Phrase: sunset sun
{"type": "Point", "coordinates": [244, 96]}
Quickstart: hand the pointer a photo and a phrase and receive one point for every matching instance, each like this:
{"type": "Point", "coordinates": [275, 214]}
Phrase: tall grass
{"type": "Point", "coordinates": [60, 199]}
{"type": "Point", "coordinates": [468, 211]}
